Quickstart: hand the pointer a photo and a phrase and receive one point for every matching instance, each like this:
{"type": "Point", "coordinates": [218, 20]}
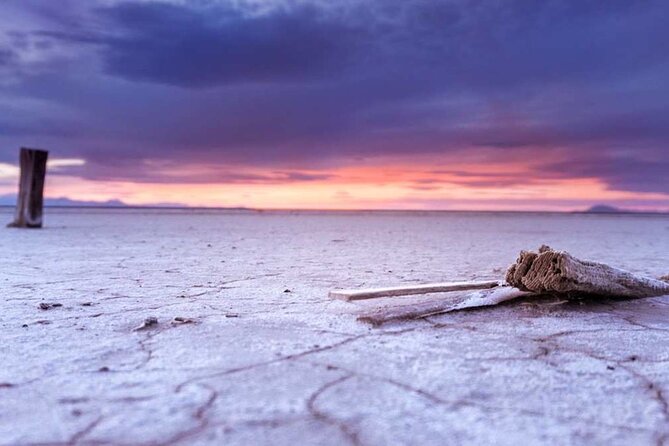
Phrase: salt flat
{"type": "Point", "coordinates": [269, 359]}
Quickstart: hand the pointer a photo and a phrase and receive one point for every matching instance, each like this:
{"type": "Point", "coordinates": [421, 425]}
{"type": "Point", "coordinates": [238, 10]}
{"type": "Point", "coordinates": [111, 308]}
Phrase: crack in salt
{"type": "Point", "coordinates": [323, 417]}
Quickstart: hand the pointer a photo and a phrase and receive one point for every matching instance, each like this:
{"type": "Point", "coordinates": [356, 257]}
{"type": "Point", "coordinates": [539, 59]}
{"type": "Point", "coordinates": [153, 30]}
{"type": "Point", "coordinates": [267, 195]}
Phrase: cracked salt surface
{"type": "Point", "coordinates": [257, 365]}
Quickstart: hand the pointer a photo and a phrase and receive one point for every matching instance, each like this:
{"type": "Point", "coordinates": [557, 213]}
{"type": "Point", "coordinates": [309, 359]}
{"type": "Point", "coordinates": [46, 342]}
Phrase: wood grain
{"type": "Point", "coordinates": [407, 290]}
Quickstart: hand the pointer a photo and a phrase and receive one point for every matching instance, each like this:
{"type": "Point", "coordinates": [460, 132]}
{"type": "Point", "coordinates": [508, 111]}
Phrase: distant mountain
{"type": "Point", "coordinates": [10, 200]}
{"type": "Point", "coordinates": [605, 209]}
{"type": "Point", "coordinates": [68, 202]}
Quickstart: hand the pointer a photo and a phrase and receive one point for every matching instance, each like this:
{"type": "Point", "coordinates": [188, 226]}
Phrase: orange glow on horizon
{"type": "Point", "coordinates": [393, 185]}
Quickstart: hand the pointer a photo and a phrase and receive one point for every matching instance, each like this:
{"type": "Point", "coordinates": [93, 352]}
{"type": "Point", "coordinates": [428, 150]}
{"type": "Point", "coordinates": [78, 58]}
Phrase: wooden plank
{"type": "Point", "coordinates": [30, 199]}
{"type": "Point", "coordinates": [407, 290]}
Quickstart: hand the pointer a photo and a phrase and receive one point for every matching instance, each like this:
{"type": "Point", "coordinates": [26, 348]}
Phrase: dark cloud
{"type": "Point", "coordinates": [194, 46]}
{"type": "Point", "coordinates": [39, 127]}
{"type": "Point", "coordinates": [487, 179]}
{"type": "Point", "coordinates": [625, 172]}
{"type": "Point", "coordinates": [7, 56]}
{"type": "Point", "coordinates": [157, 171]}
{"type": "Point", "coordinates": [472, 43]}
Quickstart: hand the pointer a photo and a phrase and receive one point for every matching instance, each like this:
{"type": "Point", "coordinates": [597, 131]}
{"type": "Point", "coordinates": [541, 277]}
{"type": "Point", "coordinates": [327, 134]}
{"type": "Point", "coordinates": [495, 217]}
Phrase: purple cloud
{"type": "Point", "coordinates": [289, 87]}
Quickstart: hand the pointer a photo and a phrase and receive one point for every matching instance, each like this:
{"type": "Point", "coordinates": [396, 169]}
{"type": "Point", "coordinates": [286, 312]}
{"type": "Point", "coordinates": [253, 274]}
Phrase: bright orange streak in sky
{"type": "Point", "coordinates": [390, 186]}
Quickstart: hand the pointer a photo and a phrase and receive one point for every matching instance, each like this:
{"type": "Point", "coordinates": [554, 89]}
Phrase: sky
{"type": "Point", "coordinates": [347, 104]}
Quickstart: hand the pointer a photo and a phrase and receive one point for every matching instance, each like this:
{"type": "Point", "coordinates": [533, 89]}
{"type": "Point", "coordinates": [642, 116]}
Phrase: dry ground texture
{"type": "Point", "coordinates": [246, 348]}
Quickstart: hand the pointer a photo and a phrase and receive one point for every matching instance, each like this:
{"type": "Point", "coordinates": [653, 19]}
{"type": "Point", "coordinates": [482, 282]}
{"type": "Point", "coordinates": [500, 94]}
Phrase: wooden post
{"type": "Point", "coordinates": [31, 189]}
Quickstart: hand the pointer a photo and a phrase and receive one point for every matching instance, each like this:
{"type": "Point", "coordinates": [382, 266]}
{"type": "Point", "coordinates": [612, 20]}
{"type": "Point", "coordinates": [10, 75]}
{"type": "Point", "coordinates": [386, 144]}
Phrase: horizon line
{"type": "Point", "coordinates": [342, 210]}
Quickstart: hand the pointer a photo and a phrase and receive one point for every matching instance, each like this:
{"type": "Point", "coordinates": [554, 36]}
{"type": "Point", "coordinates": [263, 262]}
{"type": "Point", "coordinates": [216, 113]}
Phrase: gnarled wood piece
{"type": "Point", "coordinates": [550, 271]}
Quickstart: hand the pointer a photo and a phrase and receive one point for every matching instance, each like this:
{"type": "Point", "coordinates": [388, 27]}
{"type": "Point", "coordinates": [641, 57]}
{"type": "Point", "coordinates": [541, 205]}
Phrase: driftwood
{"type": "Point", "coordinates": [558, 272]}
{"type": "Point", "coordinates": [533, 274]}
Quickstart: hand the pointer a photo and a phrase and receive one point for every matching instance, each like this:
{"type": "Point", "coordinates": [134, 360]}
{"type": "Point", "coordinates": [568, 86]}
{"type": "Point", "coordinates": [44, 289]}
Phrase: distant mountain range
{"type": "Point", "coordinates": [10, 200]}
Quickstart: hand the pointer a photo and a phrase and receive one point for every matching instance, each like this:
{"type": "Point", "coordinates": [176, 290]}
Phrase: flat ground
{"type": "Point", "coordinates": [269, 359]}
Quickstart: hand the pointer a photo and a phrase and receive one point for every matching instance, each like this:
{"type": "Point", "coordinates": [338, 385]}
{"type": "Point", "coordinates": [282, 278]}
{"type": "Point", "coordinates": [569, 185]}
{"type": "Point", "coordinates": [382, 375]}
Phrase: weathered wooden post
{"type": "Point", "coordinates": [31, 189]}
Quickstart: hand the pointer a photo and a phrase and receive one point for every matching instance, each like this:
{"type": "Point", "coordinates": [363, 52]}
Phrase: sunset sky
{"type": "Point", "coordinates": [347, 104]}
